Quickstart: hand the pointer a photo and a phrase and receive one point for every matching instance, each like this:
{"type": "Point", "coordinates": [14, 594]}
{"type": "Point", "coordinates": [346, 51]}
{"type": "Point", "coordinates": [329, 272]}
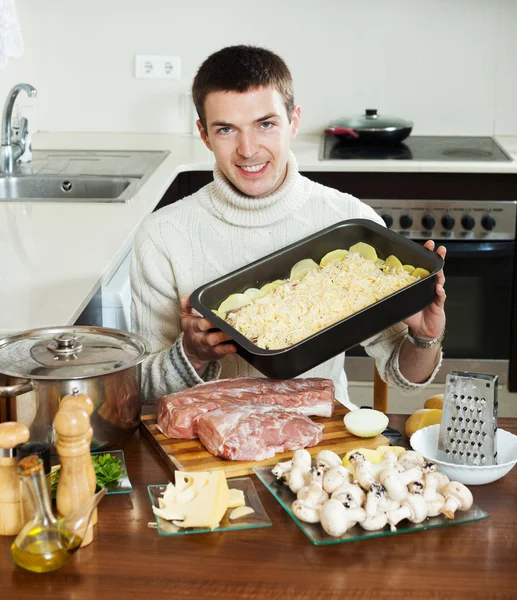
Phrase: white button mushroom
{"type": "Point", "coordinates": [375, 523]}
{"type": "Point", "coordinates": [326, 459]}
{"type": "Point", "coordinates": [335, 477]}
{"type": "Point", "coordinates": [301, 458]}
{"type": "Point", "coordinates": [307, 509]}
{"type": "Point", "coordinates": [349, 493]}
{"type": "Point", "coordinates": [410, 459]}
{"type": "Point", "coordinates": [336, 518]}
{"type": "Point", "coordinates": [296, 478]}
{"type": "Point", "coordinates": [396, 483]}
{"type": "Point", "coordinates": [413, 507]}
{"type": "Point", "coordinates": [457, 497]}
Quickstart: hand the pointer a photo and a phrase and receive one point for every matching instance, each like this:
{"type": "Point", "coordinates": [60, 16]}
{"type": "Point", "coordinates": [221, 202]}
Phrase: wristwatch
{"type": "Point", "coordinates": [425, 344]}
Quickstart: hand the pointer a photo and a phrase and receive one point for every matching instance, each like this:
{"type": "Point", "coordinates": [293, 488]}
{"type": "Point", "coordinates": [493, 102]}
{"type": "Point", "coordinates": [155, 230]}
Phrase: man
{"type": "Point", "coordinates": [257, 203]}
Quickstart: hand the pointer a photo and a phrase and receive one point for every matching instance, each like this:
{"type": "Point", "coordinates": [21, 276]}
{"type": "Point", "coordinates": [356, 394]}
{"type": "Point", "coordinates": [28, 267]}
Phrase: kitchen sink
{"type": "Point", "coordinates": [80, 176]}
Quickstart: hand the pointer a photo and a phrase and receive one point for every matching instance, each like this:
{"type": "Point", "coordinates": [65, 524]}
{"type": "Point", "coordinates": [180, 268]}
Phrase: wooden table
{"type": "Point", "coordinates": [130, 560]}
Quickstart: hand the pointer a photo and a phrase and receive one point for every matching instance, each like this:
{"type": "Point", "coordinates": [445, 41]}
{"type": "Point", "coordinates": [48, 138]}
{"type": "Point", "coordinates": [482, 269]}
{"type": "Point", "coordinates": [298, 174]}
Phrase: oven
{"type": "Point", "coordinates": [479, 270]}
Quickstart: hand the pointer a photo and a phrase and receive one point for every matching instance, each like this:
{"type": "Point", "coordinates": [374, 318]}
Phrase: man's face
{"type": "Point", "coordinates": [250, 134]}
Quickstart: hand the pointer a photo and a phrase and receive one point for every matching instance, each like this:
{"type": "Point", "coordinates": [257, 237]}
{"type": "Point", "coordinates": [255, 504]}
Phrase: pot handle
{"type": "Point", "coordinates": [341, 131]}
{"type": "Point", "coordinates": [15, 390]}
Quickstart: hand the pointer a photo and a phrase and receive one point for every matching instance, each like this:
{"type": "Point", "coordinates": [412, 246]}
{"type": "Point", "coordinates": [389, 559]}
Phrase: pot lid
{"type": "Point", "coordinates": [373, 121]}
{"type": "Point", "coordinates": [74, 352]}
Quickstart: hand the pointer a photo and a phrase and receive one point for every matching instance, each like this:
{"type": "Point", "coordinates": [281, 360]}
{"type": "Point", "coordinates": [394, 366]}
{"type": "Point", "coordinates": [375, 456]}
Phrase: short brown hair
{"type": "Point", "coordinates": [239, 69]}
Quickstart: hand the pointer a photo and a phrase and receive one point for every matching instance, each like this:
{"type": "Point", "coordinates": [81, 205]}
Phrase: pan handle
{"type": "Point", "coordinates": [15, 390]}
{"type": "Point", "coordinates": [341, 131]}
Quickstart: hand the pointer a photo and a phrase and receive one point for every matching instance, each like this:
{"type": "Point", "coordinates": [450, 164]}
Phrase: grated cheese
{"type": "Point", "coordinates": [298, 309]}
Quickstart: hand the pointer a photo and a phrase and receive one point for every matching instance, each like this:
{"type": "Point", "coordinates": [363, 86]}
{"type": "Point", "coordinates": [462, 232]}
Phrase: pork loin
{"type": "Point", "coordinates": [177, 414]}
{"type": "Point", "coordinates": [255, 432]}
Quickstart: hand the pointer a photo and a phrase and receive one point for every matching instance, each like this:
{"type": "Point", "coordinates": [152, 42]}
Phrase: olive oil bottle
{"type": "Point", "coordinates": [45, 543]}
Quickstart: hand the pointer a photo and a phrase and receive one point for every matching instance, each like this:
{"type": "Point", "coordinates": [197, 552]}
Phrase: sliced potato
{"type": "Point", "coordinates": [365, 250]}
{"type": "Point", "coordinates": [269, 287]}
{"type": "Point", "coordinates": [302, 267]}
{"type": "Point", "coordinates": [254, 293]}
{"type": "Point", "coordinates": [397, 449]}
{"type": "Point", "coordinates": [419, 272]}
{"type": "Point", "coordinates": [393, 262]}
{"type": "Point", "coordinates": [233, 302]}
{"type": "Point", "coordinates": [408, 268]}
{"type": "Point", "coordinates": [333, 256]}
{"type": "Point", "coordinates": [220, 314]}
{"type": "Point", "coordinates": [379, 262]}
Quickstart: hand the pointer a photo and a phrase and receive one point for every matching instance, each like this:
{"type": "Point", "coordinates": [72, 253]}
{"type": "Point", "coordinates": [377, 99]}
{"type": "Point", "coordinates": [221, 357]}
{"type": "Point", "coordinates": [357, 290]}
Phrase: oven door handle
{"type": "Point", "coordinates": [487, 249]}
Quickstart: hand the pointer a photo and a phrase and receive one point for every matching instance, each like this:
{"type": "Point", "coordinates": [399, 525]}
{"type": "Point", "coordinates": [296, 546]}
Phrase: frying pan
{"type": "Point", "coordinates": [370, 128]}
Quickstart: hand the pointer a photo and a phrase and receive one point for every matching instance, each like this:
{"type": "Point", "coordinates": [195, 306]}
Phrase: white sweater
{"type": "Point", "coordinates": [213, 232]}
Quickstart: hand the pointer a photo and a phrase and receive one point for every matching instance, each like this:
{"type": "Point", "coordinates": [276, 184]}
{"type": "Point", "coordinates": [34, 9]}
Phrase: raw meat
{"type": "Point", "coordinates": [177, 413]}
{"type": "Point", "coordinates": [255, 432]}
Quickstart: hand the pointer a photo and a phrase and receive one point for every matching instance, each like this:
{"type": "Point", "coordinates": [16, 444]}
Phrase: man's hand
{"type": "Point", "coordinates": [202, 341]}
{"type": "Point", "coordinates": [429, 323]}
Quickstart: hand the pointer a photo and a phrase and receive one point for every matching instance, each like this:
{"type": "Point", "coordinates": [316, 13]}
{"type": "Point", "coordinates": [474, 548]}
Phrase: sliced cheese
{"type": "Point", "coordinates": [197, 499]}
{"type": "Point", "coordinates": [236, 499]}
{"type": "Point", "coordinates": [242, 511]}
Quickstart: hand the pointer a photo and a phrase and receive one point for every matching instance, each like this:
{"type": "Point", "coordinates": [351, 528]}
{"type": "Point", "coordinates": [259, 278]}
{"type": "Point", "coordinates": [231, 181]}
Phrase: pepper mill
{"type": "Point", "coordinates": [11, 510]}
{"type": "Point", "coordinates": [83, 401]}
{"type": "Point", "coordinates": [72, 425]}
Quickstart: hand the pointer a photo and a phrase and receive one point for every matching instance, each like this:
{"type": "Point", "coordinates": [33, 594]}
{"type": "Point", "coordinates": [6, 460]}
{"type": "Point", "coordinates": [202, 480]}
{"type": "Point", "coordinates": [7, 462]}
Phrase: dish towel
{"type": "Point", "coordinates": [11, 41]}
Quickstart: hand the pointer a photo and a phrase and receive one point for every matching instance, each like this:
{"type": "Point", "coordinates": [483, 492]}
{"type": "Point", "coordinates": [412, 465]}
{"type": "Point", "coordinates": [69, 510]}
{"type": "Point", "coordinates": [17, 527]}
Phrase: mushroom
{"type": "Point", "coordinates": [300, 458]}
{"type": "Point", "coordinates": [410, 459]}
{"type": "Point", "coordinates": [315, 477]}
{"type": "Point", "coordinates": [308, 508]}
{"type": "Point", "coordinates": [336, 477]}
{"type": "Point", "coordinates": [349, 493]}
{"type": "Point", "coordinates": [457, 497]}
{"type": "Point", "coordinates": [365, 473]}
{"type": "Point", "coordinates": [336, 518]}
{"type": "Point", "coordinates": [326, 459]}
{"type": "Point", "coordinates": [296, 478]}
{"type": "Point", "coordinates": [374, 523]}
{"type": "Point", "coordinates": [396, 483]}
{"type": "Point", "coordinates": [434, 500]}
{"type": "Point", "coordinates": [413, 507]}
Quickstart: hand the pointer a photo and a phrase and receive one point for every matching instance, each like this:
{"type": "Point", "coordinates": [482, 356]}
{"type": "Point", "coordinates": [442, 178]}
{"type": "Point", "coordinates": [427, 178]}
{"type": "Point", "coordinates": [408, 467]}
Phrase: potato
{"type": "Point", "coordinates": [408, 268]}
{"type": "Point", "coordinates": [302, 267]}
{"type": "Point", "coordinates": [270, 287]}
{"type": "Point", "coordinates": [365, 422]}
{"type": "Point", "coordinates": [419, 272]}
{"type": "Point", "coordinates": [365, 250]}
{"type": "Point", "coordinates": [423, 417]}
{"type": "Point", "coordinates": [397, 449]}
{"type": "Point", "coordinates": [393, 262]}
{"type": "Point", "coordinates": [221, 315]}
{"type": "Point", "coordinates": [435, 401]}
{"type": "Point", "coordinates": [333, 256]}
{"type": "Point", "coordinates": [233, 302]}
{"type": "Point", "coordinates": [372, 455]}
{"type": "Point", "coordinates": [254, 293]}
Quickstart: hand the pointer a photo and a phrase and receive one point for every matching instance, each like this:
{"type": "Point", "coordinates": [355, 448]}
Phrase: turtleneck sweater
{"type": "Point", "coordinates": [213, 232]}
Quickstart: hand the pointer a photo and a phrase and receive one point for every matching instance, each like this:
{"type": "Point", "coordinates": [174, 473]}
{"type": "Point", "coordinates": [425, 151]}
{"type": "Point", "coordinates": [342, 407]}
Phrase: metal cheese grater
{"type": "Point", "coordinates": [469, 419]}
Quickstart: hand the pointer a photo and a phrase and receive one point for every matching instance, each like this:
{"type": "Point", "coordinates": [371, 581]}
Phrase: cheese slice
{"type": "Point", "coordinates": [196, 499]}
{"type": "Point", "coordinates": [236, 498]}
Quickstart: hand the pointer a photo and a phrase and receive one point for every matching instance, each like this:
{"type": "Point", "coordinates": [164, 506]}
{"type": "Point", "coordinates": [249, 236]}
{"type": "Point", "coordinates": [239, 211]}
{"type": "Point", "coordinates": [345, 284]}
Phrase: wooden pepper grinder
{"type": "Point", "coordinates": [83, 401]}
{"type": "Point", "coordinates": [12, 518]}
{"type": "Point", "coordinates": [72, 425]}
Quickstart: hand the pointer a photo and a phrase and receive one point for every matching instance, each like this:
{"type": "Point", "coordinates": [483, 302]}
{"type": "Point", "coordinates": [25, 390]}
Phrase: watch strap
{"type": "Point", "coordinates": [425, 344]}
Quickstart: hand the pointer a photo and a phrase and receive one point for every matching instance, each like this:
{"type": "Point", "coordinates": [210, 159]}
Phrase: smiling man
{"type": "Point", "coordinates": [257, 203]}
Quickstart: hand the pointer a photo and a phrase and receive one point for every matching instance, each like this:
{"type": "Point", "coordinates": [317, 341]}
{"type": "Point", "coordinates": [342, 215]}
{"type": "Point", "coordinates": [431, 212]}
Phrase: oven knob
{"type": "Point", "coordinates": [388, 220]}
{"type": "Point", "coordinates": [468, 222]}
{"type": "Point", "coordinates": [448, 222]}
{"type": "Point", "coordinates": [488, 222]}
{"type": "Point", "coordinates": [428, 222]}
{"type": "Point", "coordinates": [406, 221]}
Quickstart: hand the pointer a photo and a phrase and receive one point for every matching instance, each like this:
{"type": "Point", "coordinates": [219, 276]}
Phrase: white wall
{"type": "Point", "coordinates": [449, 65]}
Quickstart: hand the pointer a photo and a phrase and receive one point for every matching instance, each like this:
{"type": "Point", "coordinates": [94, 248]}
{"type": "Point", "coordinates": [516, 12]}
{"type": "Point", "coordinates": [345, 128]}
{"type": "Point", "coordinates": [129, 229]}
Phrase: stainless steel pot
{"type": "Point", "coordinates": [39, 367]}
{"type": "Point", "coordinates": [370, 128]}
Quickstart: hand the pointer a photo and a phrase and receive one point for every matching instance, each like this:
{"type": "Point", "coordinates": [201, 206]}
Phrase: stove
{"type": "Point", "coordinates": [420, 148]}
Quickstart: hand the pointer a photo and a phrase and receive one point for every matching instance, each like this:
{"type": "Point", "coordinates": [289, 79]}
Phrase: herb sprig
{"type": "Point", "coordinates": [107, 469]}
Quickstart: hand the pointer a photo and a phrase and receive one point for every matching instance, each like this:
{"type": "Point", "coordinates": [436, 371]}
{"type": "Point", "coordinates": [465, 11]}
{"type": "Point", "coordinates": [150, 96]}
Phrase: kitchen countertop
{"type": "Point", "coordinates": [55, 256]}
{"type": "Point", "coordinates": [127, 559]}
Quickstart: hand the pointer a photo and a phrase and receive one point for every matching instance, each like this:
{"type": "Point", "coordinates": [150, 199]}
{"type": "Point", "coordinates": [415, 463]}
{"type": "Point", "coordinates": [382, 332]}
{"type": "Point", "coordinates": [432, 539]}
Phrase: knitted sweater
{"type": "Point", "coordinates": [213, 232]}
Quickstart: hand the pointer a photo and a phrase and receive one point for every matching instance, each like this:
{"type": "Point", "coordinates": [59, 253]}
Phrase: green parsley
{"type": "Point", "coordinates": [107, 469]}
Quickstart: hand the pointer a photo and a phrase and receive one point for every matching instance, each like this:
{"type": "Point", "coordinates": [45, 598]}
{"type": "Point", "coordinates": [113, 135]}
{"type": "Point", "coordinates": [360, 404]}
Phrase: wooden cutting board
{"type": "Point", "coordinates": [191, 455]}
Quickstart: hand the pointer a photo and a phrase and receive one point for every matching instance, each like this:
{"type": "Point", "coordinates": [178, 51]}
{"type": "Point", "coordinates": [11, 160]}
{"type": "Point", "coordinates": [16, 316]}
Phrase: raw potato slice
{"type": "Point", "coordinates": [302, 267]}
{"type": "Point", "coordinates": [372, 455]}
{"type": "Point", "coordinates": [365, 250]}
{"type": "Point", "coordinates": [254, 293]}
{"type": "Point", "coordinates": [220, 314]}
{"type": "Point", "coordinates": [394, 262]}
{"type": "Point", "coordinates": [365, 422]}
{"type": "Point", "coordinates": [242, 511]}
{"type": "Point", "coordinates": [435, 401]}
{"type": "Point", "coordinates": [419, 272]}
{"type": "Point", "coordinates": [379, 262]}
{"type": "Point", "coordinates": [233, 302]}
{"type": "Point", "coordinates": [236, 498]}
{"type": "Point", "coordinates": [269, 287]}
{"type": "Point", "coordinates": [397, 449]}
{"type": "Point", "coordinates": [423, 418]}
{"type": "Point", "coordinates": [408, 268]}
{"type": "Point", "coordinates": [333, 256]}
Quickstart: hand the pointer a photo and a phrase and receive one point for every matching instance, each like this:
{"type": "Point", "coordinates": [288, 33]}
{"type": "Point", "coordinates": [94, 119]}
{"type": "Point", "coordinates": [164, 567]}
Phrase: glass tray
{"type": "Point", "coordinates": [122, 485]}
{"type": "Point", "coordinates": [257, 519]}
{"type": "Point", "coordinates": [317, 535]}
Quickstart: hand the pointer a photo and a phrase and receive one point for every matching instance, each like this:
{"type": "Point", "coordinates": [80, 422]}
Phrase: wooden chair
{"type": "Point", "coordinates": [380, 392]}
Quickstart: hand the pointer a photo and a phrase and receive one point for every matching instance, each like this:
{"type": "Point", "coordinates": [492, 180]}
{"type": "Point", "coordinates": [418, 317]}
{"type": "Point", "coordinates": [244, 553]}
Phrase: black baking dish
{"type": "Point", "coordinates": [316, 349]}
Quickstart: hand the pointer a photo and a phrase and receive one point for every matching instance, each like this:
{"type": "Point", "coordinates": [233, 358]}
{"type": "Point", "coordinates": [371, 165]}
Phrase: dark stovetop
{"type": "Point", "coordinates": [437, 148]}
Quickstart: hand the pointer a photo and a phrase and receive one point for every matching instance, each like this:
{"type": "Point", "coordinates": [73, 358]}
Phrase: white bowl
{"type": "Point", "coordinates": [425, 442]}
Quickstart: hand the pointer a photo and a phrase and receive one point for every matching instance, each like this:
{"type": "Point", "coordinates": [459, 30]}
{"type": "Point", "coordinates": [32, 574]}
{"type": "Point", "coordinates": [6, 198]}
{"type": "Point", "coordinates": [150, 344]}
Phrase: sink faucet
{"type": "Point", "coordinates": [12, 144]}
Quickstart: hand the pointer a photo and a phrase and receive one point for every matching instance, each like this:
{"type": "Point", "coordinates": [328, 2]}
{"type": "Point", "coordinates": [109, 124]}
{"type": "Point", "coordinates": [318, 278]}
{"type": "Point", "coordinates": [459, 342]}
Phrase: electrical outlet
{"type": "Point", "coordinates": [157, 67]}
